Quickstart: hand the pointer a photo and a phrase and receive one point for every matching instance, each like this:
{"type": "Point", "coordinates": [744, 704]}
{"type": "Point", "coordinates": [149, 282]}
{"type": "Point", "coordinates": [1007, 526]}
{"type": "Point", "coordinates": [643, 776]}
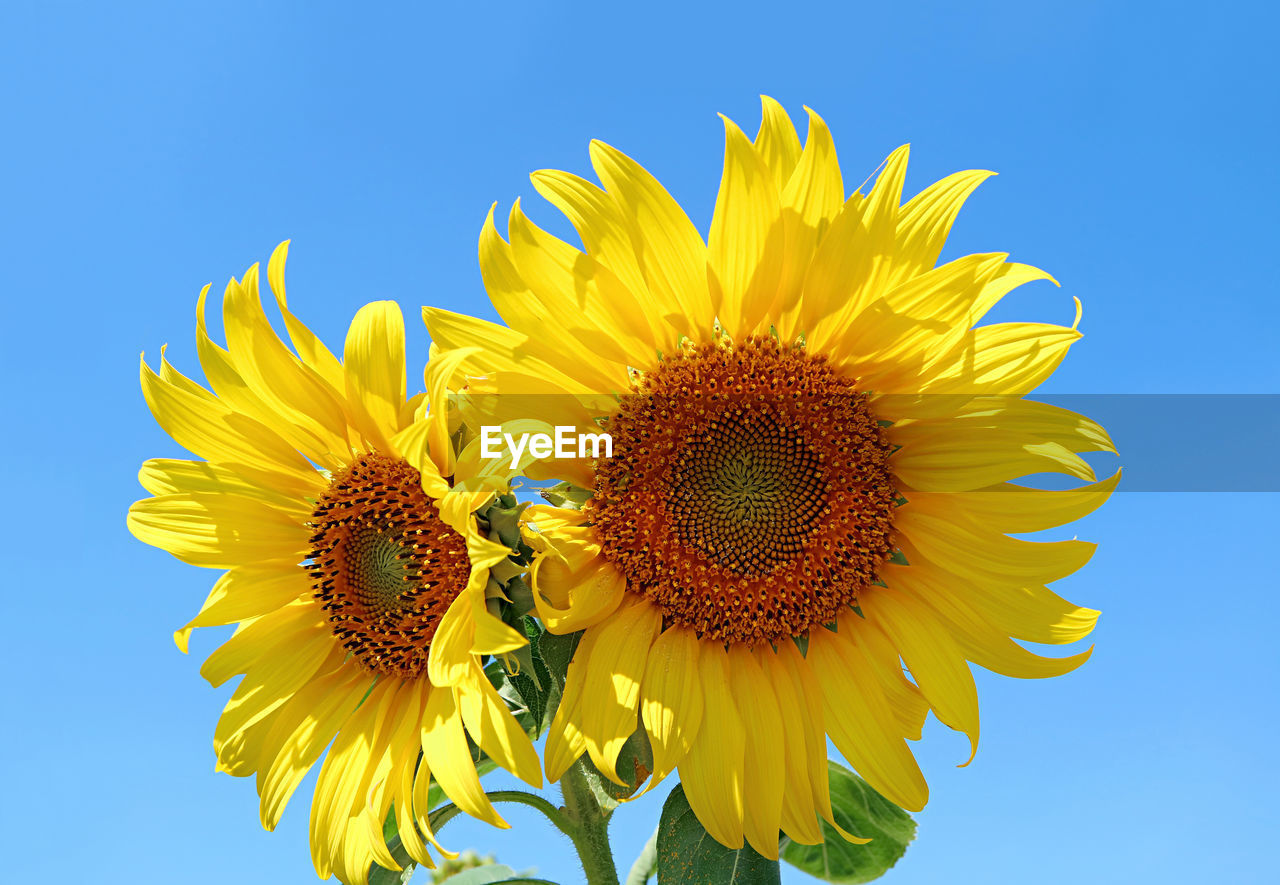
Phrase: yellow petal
{"type": "Point", "coordinates": [840, 284]}
{"type": "Point", "coordinates": [305, 726]}
{"type": "Point", "coordinates": [291, 626]}
{"type": "Point", "coordinates": [671, 699]}
{"type": "Point", "coordinates": [383, 778]}
{"type": "Point", "coordinates": [274, 678]}
{"type": "Point", "coordinates": [589, 302]}
{"type": "Point", "coordinates": [745, 246]}
{"type": "Point", "coordinates": [1010, 508]}
{"type": "Point", "coordinates": [910, 709]}
{"type": "Point", "coordinates": [414, 844]}
{"type": "Point", "coordinates": [506, 350]}
{"type": "Point", "coordinates": [234, 390]}
{"type": "Point", "coordinates": [981, 556]}
{"type": "Point", "coordinates": [611, 694]}
{"type": "Point", "coordinates": [777, 142]}
{"type": "Point", "coordinates": [298, 396]}
{"type": "Point", "coordinates": [1005, 358]}
{"type": "Point", "coordinates": [810, 201]}
{"type": "Point", "coordinates": [811, 769]}
{"type": "Point", "coordinates": [802, 734]}
{"type": "Point", "coordinates": [566, 740]}
{"type": "Point", "coordinates": [495, 730]}
{"type": "Point", "coordinates": [243, 752]}
{"type": "Point", "coordinates": [437, 377]}
{"type": "Point", "coordinates": [712, 773]}
{"type": "Point", "coordinates": [218, 531]}
{"type": "Point", "coordinates": [413, 443]}
{"type": "Point", "coordinates": [671, 253]}
{"type": "Point", "coordinates": [167, 476]}
{"type": "Point", "coordinates": [939, 416]}
{"type": "Point", "coordinates": [449, 659]}
{"type": "Point", "coordinates": [764, 772]}
{"type": "Point", "coordinates": [339, 782]}
{"type": "Point", "coordinates": [895, 332]}
{"type": "Point", "coordinates": [610, 238]}
{"type": "Point", "coordinates": [375, 372]}
{"type": "Point", "coordinates": [310, 348]}
{"type": "Point", "coordinates": [206, 427]}
{"type": "Point", "coordinates": [1032, 611]}
{"type": "Point", "coordinates": [444, 745]}
{"type": "Point", "coordinates": [577, 589]}
{"type": "Point", "coordinates": [422, 805]}
{"type": "Point", "coordinates": [246, 592]}
{"type": "Point", "coordinates": [956, 459]}
{"type": "Point", "coordinates": [1009, 278]}
{"type": "Point", "coordinates": [981, 642]}
{"type": "Point", "coordinates": [860, 722]}
{"type": "Point", "coordinates": [539, 288]}
{"type": "Point", "coordinates": [925, 221]}
{"type": "Point", "coordinates": [937, 665]}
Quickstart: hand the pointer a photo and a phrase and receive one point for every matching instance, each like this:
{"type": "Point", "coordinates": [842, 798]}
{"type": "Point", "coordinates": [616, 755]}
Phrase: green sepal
{"type": "Point", "coordinates": [567, 495]}
{"type": "Point", "coordinates": [802, 643]}
{"type": "Point", "coordinates": [502, 519]}
{"type": "Point", "coordinates": [634, 765]}
{"type": "Point", "coordinates": [521, 596]}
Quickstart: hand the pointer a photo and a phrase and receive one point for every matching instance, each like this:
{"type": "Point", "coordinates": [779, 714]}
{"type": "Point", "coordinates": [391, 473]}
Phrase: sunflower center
{"type": "Point", "coordinates": [383, 565]}
{"type": "Point", "coordinates": [746, 491]}
{"type": "Point", "coordinates": [749, 495]}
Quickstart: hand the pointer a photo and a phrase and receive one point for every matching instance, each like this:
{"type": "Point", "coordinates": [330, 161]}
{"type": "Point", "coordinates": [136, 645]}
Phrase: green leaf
{"type": "Point", "coordinates": [533, 684]}
{"type": "Point", "coordinates": [864, 812]}
{"type": "Point", "coordinates": [491, 874]}
{"type": "Point", "coordinates": [496, 872]}
{"type": "Point", "coordinates": [688, 855]}
{"type": "Point", "coordinates": [556, 652]}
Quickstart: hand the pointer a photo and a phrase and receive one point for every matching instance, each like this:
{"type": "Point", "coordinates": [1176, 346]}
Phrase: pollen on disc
{"type": "Point", "coordinates": [749, 495]}
{"type": "Point", "coordinates": [383, 564]}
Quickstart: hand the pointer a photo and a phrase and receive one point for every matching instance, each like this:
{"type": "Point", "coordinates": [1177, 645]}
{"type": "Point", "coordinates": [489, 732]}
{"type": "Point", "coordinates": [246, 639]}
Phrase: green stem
{"type": "Point", "coordinates": [445, 813]}
{"type": "Point", "coordinates": [553, 814]}
{"type": "Point", "coordinates": [592, 825]}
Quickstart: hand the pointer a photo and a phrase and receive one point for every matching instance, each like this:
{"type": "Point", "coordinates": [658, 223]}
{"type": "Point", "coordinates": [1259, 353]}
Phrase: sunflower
{"type": "Point", "coordinates": [809, 482]}
{"type": "Point", "coordinates": [355, 574]}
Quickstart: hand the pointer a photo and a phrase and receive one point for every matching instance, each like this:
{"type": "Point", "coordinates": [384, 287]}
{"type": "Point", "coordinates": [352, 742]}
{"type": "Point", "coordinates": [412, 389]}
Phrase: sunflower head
{"type": "Point", "coordinates": [809, 495]}
{"type": "Point", "coordinates": [355, 567]}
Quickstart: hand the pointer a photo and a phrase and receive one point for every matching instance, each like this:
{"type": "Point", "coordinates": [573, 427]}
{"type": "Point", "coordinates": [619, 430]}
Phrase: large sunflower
{"type": "Point", "coordinates": [355, 574]}
{"type": "Point", "coordinates": [812, 443]}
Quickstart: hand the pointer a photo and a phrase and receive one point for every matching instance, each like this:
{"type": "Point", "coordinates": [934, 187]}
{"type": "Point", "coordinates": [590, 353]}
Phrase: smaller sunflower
{"type": "Point", "coordinates": [356, 575]}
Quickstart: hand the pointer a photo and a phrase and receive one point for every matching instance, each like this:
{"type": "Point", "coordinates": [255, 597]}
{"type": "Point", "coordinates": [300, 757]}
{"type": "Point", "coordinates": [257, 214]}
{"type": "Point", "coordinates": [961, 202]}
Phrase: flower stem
{"type": "Point", "coordinates": [592, 824]}
{"type": "Point", "coordinates": [533, 800]}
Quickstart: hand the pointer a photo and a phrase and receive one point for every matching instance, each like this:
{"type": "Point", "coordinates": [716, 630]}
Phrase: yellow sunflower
{"type": "Point", "coordinates": [808, 488]}
{"type": "Point", "coordinates": [355, 574]}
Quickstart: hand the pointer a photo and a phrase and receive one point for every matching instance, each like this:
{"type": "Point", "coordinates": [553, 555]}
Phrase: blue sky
{"type": "Point", "coordinates": [151, 148]}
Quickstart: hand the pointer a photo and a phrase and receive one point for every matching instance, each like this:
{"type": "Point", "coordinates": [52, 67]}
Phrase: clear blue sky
{"type": "Point", "coordinates": [150, 148]}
